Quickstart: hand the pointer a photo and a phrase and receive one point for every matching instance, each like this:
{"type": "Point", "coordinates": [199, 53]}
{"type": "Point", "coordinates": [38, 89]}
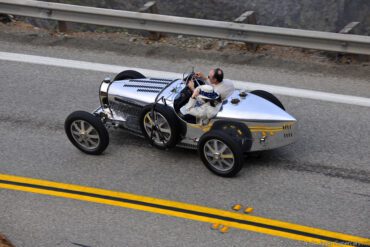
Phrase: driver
{"type": "Point", "coordinates": [215, 78]}
{"type": "Point", "coordinates": [204, 104]}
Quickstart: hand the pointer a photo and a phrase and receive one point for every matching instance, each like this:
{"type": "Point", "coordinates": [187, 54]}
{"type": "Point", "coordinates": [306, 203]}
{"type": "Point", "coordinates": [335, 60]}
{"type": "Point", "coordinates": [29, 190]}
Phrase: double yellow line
{"type": "Point", "coordinates": [182, 210]}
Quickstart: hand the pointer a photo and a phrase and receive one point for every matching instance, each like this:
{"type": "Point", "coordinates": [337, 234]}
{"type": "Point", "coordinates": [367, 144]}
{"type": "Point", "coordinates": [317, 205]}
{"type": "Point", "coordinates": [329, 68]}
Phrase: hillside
{"type": "Point", "coordinates": [328, 15]}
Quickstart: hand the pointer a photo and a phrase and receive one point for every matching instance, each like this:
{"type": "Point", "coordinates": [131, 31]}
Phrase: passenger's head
{"type": "Point", "coordinates": [216, 76]}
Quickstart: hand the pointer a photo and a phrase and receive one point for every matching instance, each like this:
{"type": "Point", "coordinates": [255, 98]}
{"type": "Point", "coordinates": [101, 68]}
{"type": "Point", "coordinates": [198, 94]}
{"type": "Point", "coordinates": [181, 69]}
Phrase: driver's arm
{"type": "Point", "coordinates": [191, 85]}
{"type": "Point", "coordinates": [201, 75]}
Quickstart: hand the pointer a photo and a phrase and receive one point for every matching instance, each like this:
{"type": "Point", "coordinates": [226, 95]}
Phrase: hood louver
{"type": "Point", "coordinates": [149, 85]}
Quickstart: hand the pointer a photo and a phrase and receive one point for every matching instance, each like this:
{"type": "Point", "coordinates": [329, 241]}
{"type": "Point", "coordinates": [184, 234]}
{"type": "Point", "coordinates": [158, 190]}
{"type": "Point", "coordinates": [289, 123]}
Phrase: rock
{"type": "Point", "coordinates": [132, 39]}
{"type": "Point", "coordinates": [180, 36]}
{"type": "Point", "coordinates": [222, 44]}
{"type": "Point", "coordinates": [207, 46]}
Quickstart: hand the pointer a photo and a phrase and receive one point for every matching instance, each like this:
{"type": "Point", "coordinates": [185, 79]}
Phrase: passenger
{"type": "Point", "coordinates": [204, 104]}
{"type": "Point", "coordinates": [215, 78]}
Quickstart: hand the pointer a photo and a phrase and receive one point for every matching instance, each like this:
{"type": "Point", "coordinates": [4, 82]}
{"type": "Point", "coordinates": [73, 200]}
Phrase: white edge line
{"type": "Point", "coordinates": [75, 64]}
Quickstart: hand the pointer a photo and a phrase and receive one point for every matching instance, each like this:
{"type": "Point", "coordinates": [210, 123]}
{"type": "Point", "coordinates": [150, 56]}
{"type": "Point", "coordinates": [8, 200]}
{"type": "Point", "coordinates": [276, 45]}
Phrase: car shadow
{"type": "Point", "coordinates": [253, 160]}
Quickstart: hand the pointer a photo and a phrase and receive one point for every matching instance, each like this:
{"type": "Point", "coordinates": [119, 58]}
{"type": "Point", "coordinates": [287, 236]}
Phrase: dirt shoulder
{"type": "Point", "coordinates": [179, 46]}
{"type": "Point", "coordinates": [4, 242]}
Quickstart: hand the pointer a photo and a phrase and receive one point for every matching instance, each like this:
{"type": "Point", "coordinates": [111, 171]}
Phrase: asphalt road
{"type": "Point", "coordinates": [321, 181]}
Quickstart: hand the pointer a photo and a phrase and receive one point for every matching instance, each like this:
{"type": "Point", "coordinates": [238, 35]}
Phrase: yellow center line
{"type": "Point", "coordinates": [182, 210]}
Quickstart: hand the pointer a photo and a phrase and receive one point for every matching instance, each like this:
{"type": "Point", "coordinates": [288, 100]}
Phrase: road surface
{"type": "Point", "coordinates": [322, 181]}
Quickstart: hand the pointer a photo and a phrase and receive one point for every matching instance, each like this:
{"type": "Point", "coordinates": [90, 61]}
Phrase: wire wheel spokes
{"type": "Point", "coordinates": [85, 134]}
{"type": "Point", "coordinates": [219, 155]}
{"type": "Point", "coordinates": [157, 128]}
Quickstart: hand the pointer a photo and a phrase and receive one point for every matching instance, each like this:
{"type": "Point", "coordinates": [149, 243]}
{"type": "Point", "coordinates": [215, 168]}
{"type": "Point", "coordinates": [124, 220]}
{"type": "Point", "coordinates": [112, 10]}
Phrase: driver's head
{"type": "Point", "coordinates": [216, 76]}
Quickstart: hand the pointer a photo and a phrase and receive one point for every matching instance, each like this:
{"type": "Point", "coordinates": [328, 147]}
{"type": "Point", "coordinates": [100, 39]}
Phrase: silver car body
{"type": "Point", "coordinates": [270, 126]}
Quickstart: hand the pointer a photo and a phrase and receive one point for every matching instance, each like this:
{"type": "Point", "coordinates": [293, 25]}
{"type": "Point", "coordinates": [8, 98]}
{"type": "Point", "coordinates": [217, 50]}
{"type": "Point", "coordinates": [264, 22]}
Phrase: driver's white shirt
{"type": "Point", "coordinates": [224, 88]}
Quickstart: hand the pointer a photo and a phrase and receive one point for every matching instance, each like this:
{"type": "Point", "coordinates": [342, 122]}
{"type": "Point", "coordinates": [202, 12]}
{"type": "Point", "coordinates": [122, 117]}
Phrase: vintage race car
{"type": "Point", "coordinates": [150, 107]}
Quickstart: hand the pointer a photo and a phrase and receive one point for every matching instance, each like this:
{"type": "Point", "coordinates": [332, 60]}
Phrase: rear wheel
{"type": "Point", "coordinates": [128, 74]}
{"type": "Point", "coordinates": [268, 96]}
{"type": "Point", "coordinates": [86, 132]}
{"type": "Point", "coordinates": [220, 153]}
{"type": "Point", "coordinates": [161, 127]}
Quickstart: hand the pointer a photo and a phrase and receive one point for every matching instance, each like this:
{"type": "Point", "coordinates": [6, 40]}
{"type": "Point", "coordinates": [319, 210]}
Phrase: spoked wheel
{"type": "Point", "coordinates": [158, 128]}
{"type": "Point", "coordinates": [161, 126]}
{"type": "Point", "coordinates": [86, 132]}
{"type": "Point", "coordinates": [220, 153]}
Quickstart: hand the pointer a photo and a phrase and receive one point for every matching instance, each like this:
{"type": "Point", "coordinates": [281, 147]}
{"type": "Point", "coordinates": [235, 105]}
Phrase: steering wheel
{"type": "Point", "coordinates": [197, 80]}
{"type": "Point", "coordinates": [183, 97]}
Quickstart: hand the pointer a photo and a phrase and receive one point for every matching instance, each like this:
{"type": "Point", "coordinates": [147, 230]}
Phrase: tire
{"type": "Point", "coordinates": [239, 132]}
{"type": "Point", "coordinates": [77, 126]}
{"type": "Point", "coordinates": [128, 74]}
{"type": "Point", "coordinates": [170, 126]}
{"type": "Point", "coordinates": [214, 160]}
{"type": "Point", "coordinates": [268, 96]}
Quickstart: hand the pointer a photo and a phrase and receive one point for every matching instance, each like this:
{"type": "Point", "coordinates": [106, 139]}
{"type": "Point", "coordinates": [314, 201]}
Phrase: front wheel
{"type": "Point", "coordinates": [160, 126]}
{"type": "Point", "coordinates": [86, 132]}
{"type": "Point", "coordinates": [220, 153]}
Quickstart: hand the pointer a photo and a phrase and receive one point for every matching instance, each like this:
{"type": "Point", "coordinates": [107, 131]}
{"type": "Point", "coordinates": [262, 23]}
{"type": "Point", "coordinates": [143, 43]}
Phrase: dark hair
{"type": "Point", "coordinates": [213, 102]}
{"type": "Point", "coordinates": [219, 74]}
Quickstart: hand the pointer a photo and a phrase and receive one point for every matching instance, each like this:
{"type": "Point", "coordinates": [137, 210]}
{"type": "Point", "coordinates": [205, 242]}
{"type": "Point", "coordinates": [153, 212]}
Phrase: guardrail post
{"type": "Point", "coordinates": [346, 30]}
{"type": "Point", "coordinates": [62, 26]}
{"type": "Point", "coordinates": [248, 17]}
{"type": "Point", "coordinates": [5, 18]}
{"type": "Point", "coordinates": [151, 7]}
{"type": "Point", "coordinates": [349, 27]}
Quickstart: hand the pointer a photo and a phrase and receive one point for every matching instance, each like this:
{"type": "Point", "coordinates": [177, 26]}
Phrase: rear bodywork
{"type": "Point", "coordinates": [268, 125]}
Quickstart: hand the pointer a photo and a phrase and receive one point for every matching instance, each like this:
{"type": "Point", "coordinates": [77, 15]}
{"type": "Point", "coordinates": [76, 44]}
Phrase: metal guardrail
{"type": "Point", "coordinates": [345, 43]}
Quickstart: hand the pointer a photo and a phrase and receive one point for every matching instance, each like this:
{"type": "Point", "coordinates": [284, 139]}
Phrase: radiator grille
{"type": "Point", "coordinates": [288, 133]}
